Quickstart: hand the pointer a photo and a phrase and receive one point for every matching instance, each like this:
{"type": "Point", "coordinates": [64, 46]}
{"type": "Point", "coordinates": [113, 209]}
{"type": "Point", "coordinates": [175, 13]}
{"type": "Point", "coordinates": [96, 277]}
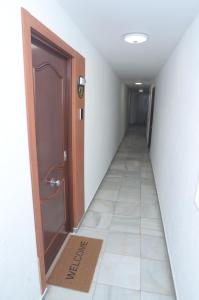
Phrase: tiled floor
{"type": "Point", "coordinates": [133, 264]}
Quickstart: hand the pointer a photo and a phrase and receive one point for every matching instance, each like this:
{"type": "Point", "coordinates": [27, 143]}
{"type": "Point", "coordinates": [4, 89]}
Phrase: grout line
{"type": "Point", "coordinates": [117, 286]}
{"type": "Point", "coordinates": [95, 283]}
{"type": "Point", "coordinates": [158, 294]}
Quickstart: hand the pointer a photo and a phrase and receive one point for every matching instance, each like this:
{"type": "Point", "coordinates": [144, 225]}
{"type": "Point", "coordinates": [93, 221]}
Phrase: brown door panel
{"type": "Point", "coordinates": [50, 91]}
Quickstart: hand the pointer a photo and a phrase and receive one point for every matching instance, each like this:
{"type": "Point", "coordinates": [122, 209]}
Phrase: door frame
{"type": "Point", "coordinates": [30, 26]}
{"type": "Point", "coordinates": [151, 116]}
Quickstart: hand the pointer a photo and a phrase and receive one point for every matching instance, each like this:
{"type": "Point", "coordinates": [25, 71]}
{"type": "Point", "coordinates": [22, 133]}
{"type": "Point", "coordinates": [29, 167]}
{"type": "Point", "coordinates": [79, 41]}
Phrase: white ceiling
{"type": "Point", "coordinates": [105, 21]}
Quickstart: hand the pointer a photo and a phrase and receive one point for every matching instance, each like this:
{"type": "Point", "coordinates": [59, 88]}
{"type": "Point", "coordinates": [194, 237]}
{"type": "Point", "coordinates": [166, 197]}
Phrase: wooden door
{"type": "Point", "coordinates": [74, 139]}
{"type": "Point", "coordinates": [151, 117]}
{"type": "Point", "coordinates": [50, 92]}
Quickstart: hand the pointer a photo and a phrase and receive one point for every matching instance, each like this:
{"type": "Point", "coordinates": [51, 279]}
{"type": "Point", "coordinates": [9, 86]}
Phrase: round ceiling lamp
{"type": "Point", "coordinates": [135, 38]}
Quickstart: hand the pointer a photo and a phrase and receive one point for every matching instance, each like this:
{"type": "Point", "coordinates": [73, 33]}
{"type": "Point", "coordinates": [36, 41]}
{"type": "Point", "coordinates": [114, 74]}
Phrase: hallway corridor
{"type": "Point", "coordinates": [134, 263]}
{"type": "Point", "coordinates": [93, 84]}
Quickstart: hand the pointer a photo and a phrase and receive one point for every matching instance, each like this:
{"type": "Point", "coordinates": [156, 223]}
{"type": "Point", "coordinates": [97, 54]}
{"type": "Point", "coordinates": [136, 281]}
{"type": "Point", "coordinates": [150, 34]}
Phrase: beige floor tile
{"type": "Point", "coordinates": [156, 277]}
{"type": "Point", "coordinates": [123, 243]}
{"type": "Point", "coordinates": [120, 270]}
{"type": "Point", "coordinates": [125, 224]}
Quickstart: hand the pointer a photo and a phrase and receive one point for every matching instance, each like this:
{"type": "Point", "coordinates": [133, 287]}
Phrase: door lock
{"type": "Point", "coordinates": [53, 182]}
{"type": "Point", "coordinates": [65, 155]}
{"type": "Point", "coordinates": [81, 113]}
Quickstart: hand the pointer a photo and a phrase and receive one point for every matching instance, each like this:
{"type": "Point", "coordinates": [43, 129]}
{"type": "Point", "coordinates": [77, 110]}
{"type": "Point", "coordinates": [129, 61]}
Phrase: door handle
{"type": "Point", "coordinates": [53, 182]}
{"type": "Point", "coordinates": [81, 113]}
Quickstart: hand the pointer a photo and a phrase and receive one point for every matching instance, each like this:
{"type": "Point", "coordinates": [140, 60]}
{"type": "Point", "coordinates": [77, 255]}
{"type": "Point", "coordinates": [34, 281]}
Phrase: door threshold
{"type": "Point", "coordinates": [44, 294]}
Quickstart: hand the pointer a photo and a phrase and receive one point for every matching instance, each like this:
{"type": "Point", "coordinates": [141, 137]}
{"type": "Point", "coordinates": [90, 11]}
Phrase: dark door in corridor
{"type": "Point", "coordinates": [50, 91]}
{"type": "Point", "coordinates": [138, 107]}
{"type": "Point", "coordinates": [142, 108]}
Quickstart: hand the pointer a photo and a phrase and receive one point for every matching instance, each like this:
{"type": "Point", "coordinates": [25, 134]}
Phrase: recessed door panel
{"type": "Point", "coordinates": [52, 216]}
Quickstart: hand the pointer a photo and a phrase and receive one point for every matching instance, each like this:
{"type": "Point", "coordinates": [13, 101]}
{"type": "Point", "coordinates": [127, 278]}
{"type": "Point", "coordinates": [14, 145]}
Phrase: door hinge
{"type": "Point", "coordinates": [65, 155]}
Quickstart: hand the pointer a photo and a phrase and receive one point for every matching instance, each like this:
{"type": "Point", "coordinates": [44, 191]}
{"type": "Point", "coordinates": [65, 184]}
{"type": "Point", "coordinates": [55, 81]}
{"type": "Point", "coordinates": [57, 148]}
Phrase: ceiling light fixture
{"type": "Point", "coordinates": [135, 38]}
{"type": "Point", "coordinates": [141, 91]}
{"type": "Point", "coordinates": [138, 83]}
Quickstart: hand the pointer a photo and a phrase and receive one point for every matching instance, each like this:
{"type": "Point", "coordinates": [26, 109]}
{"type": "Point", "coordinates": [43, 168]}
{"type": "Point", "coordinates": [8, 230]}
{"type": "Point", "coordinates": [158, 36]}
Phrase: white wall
{"type": "Point", "coordinates": [175, 159]}
{"type": "Point", "coordinates": [19, 278]}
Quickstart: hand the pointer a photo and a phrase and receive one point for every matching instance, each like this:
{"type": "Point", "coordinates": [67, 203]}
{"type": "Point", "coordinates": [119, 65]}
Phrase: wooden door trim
{"type": "Point", "coordinates": [30, 26]}
{"type": "Point", "coordinates": [151, 115]}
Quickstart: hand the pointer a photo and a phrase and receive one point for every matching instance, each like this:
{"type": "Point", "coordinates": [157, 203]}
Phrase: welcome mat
{"type": "Point", "coordinates": [76, 266]}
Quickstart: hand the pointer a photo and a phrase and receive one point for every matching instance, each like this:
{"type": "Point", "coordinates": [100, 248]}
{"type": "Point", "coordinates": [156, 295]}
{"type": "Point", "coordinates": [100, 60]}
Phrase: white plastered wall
{"type": "Point", "coordinates": [175, 159]}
